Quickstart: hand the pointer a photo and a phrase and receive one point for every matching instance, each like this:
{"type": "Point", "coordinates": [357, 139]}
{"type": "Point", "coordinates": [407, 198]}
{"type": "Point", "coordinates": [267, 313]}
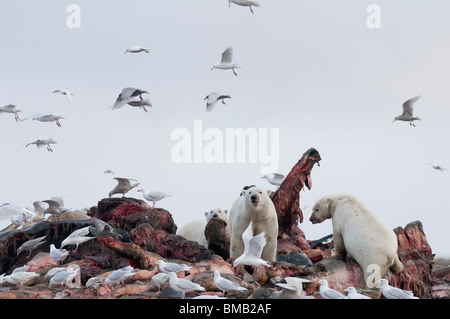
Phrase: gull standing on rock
{"type": "Point", "coordinates": [118, 276]}
{"type": "Point", "coordinates": [10, 108]}
{"type": "Point", "coordinates": [127, 95]}
{"type": "Point", "coordinates": [328, 293]}
{"type": "Point", "coordinates": [153, 196]}
{"type": "Point", "coordinates": [58, 254]}
{"type": "Point", "coordinates": [77, 237]}
{"type": "Point", "coordinates": [41, 142]}
{"type": "Point", "coordinates": [66, 93]}
{"type": "Point", "coordinates": [31, 245]}
{"type": "Point", "coordinates": [395, 293]}
{"type": "Point", "coordinates": [225, 284]}
{"type": "Point", "coordinates": [213, 98]}
{"type": "Point", "coordinates": [407, 114]}
{"type": "Point", "coordinates": [353, 294]}
{"type": "Point", "coordinates": [183, 285]}
{"type": "Point", "coordinates": [19, 278]}
{"type": "Point", "coordinates": [244, 3]}
{"type": "Point", "coordinates": [123, 186]}
{"type": "Point", "coordinates": [66, 276]}
{"type": "Point", "coordinates": [293, 288]}
{"type": "Point", "coordinates": [160, 278]}
{"type": "Point", "coordinates": [227, 61]}
{"type": "Point", "coordinates": [137, 49]}
{"type": "Point", "coordinates": [253, 247]}
{"type": "Point", "coordinates": [171, 267]}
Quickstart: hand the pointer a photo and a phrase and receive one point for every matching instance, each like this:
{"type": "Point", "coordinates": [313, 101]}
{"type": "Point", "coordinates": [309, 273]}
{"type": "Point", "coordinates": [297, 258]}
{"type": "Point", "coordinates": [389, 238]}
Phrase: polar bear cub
{"type": "Point", "coordinates": [359, 232]}
{"type": "Point", "coordinates": [254, 207]}
{"type": "Point", "coordinates": [195, 230]}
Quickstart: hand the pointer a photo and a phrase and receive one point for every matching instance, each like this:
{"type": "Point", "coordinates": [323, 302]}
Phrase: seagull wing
{"type": "Point", "coordinates": [80, 232]}
{"type": "Point", "coordinates": [53, 204]}
{"type": "Point", "coordinates": [398, 293]}
{"type": "Point", "coordinates": [333, 294]}
{"type": "Point", "coordinates": [408, 106]}
{"type": "Point", "coordinates": [256, 244]}
{"type": "Point", "coordinates": [286, 286]}
{"type": "Point", "coordinates": [124, 97]}
{"type": "Point", "coordinates": [226, 284]}
{"type": "Point", "coordinates": [227, 55]}
{"type": "Point", "coordinates": [296, 282]}
{"type": "Point", "coordinates": [69, 96]}
{"type": "Point", "coordinates": [211, 101]}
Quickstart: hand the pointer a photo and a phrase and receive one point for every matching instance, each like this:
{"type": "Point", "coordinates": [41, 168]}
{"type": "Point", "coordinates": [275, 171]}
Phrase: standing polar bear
{"type": "Point", "coordinates": [359, 232]}
{"type": "Point", "coordinates": [195, 230]}
{"type": "Point", "coordinates": [253, 206]}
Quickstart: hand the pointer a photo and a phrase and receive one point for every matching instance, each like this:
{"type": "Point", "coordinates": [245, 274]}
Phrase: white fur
{"type": "Point", "coordinates": [358, 232]}
{"type": "Point", "coordinates": [262, 217]}
{"type": "Point", "coordinates": [195, 230]}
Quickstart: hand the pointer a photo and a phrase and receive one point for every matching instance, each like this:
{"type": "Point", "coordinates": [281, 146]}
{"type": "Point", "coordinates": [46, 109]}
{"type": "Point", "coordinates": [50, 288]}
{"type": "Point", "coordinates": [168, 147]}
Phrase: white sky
{"type": "Point", "coordinates": [311, 69]}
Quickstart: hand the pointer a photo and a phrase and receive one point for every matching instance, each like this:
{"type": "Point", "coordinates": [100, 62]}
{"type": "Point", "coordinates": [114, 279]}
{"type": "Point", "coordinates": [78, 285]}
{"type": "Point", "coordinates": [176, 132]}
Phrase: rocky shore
{"type": "Point", "coordinates": [144, 235]}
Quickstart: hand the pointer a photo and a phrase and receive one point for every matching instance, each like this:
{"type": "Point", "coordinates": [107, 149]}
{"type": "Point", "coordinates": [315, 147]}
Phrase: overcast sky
{"type": "Point", "coordinates": [313, 70]}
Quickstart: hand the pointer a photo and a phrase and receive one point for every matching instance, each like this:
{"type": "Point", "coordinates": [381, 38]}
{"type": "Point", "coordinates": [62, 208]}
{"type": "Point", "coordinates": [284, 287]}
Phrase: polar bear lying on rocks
{"type": "Point", "coordinates": [195, 230]}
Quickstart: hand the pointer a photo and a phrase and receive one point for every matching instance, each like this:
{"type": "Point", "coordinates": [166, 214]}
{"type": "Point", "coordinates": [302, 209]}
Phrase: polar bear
{"type": "Point", "coordinates": [195, 230]}
{"type": "Point", "coordinates": [360, 233]}
{"type": "Point", "coordinates": [254, 207]}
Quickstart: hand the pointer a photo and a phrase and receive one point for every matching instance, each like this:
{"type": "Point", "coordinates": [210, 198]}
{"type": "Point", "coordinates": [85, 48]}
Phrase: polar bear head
{"type": "Point", "coordinates": [323, 209]}
{"type": "Point", "coordinates": [219, 213]}
{"type": "Point", "coordinates": [256, 197]}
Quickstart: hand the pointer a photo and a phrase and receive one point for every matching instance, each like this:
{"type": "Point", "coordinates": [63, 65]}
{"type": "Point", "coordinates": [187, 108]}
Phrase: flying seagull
{"type": "Point", "coordinates": [437, 167]}
{"type": "Point", "coordinates": [40, 142]}
{"type": "Point", "coordinates": [244, 3]}
{"type": "Point", "coordinates": [407, 114]}
{"type": "Point", "coordinates": [55, 206]}
{"type": "Point", "coordinates": [127, 95]}
{"type": "Point", "coordinates": [253, 247]}
{"type": "Point", "coordinates": [48, 117]}
{"type": "Point", "coordinates": [137, 49]}
{"type": "Point", "coordinates": [274, 178]}
{"type": "Point", "coordinates": [10, 108]}
{"type": "Point", "coordinates": [141, 103]}
{"type": "Point", "coordinates": [213, 98]}
{"type": "Point", "coordinates": [66, 93]}
{"type": "Point", "coordinates": [226, 62]}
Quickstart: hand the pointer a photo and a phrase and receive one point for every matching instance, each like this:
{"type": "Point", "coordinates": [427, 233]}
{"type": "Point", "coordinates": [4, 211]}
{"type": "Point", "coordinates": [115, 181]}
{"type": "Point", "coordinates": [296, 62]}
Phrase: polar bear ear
{"type": "Point", "coordinates": [331, 205]}
{"type": "Point", "coordinates": [206, 214]}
